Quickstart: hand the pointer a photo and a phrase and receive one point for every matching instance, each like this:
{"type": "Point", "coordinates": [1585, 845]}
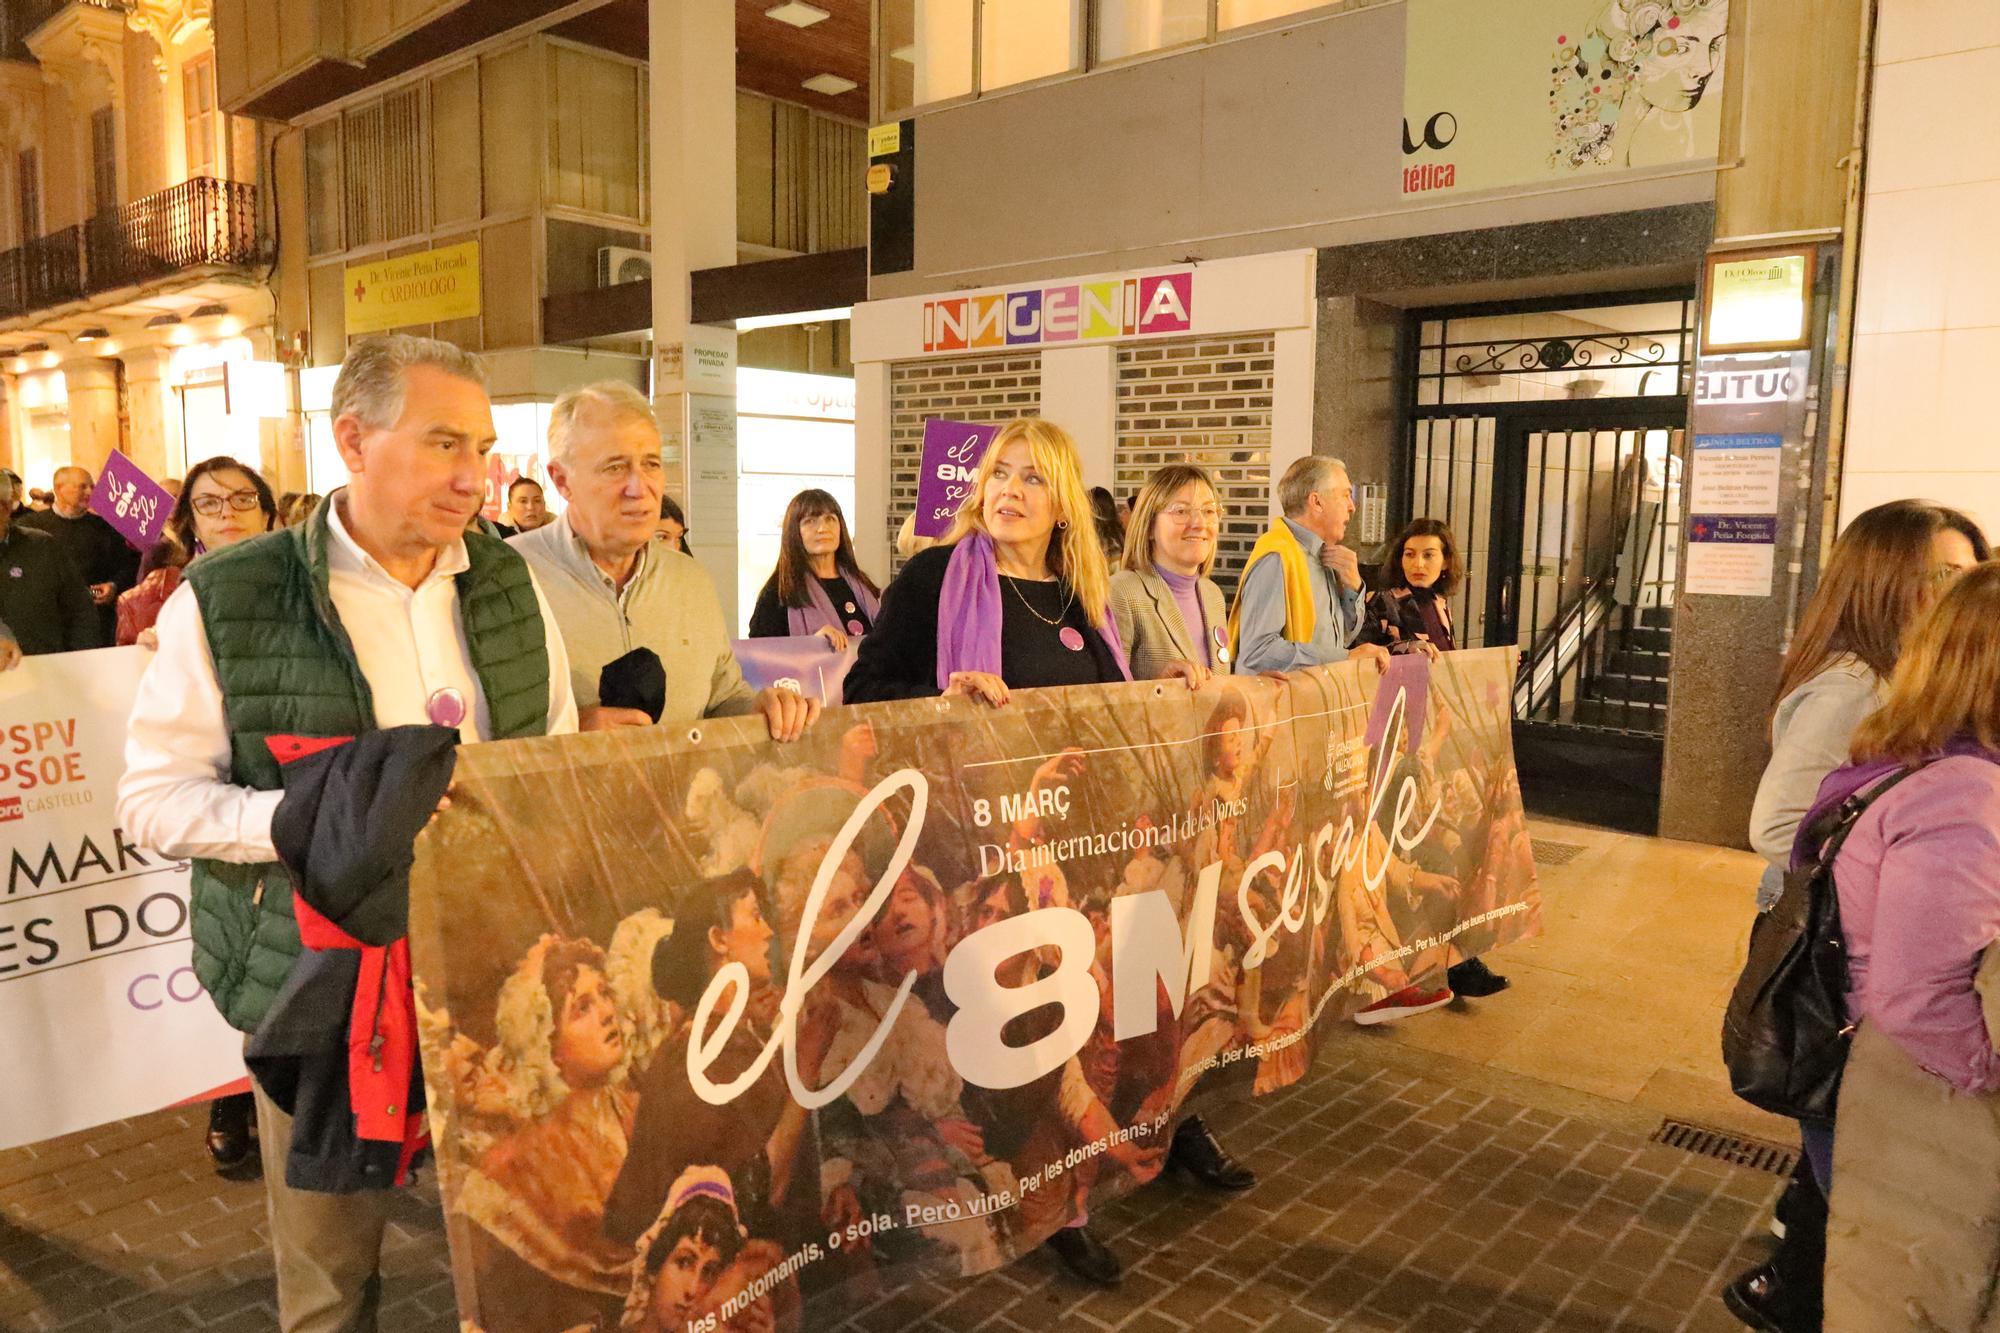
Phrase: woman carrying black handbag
{"type": "Point", "coordinates": [1886, 569]}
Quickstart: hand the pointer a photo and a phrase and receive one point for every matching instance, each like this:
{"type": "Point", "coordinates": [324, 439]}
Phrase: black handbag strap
{"type": "Point", "coordinates": [1848, 813]}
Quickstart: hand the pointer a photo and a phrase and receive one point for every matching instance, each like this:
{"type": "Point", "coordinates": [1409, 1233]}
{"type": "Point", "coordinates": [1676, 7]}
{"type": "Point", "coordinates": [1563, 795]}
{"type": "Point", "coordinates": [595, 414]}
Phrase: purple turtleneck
{"type": "Point", "coordinates": [1186, 589]}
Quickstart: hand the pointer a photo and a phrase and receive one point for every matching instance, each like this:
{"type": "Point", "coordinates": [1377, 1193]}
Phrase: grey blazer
{"type": "Point", "coordinates": [1149, 620]}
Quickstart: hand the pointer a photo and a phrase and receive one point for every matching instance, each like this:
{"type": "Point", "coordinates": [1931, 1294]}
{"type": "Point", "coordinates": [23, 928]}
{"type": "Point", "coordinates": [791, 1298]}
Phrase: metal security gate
{"type": "Point", "coordinates": [1551, 439]}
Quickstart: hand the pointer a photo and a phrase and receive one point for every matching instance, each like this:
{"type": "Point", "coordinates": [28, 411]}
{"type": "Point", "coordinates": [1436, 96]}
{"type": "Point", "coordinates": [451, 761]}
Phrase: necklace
{"type": "Point", "coordinates": [1013, 583]}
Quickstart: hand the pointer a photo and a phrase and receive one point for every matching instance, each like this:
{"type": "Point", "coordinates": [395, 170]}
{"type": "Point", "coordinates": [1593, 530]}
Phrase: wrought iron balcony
{"type": "Point", "coordinates": [198, 223]}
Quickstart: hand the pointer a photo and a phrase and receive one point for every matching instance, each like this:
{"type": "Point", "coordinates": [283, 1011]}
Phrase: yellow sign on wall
{"type": "Point", "coordinates": [425, 288]}
{"type": "Point", "coordinates": [885, 140]}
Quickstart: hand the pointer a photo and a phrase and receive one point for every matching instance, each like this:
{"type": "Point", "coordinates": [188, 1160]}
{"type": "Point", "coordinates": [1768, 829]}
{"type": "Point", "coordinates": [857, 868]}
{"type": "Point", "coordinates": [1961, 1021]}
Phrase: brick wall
{"type": "Point", "coordinates": [984, 390]}
{"type": "Point", "coordinates": [1205, 401]}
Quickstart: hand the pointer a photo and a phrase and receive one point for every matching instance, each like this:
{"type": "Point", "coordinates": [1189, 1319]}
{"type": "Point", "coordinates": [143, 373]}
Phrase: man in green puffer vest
{"type": "Point", "coordinates": [380, 611]}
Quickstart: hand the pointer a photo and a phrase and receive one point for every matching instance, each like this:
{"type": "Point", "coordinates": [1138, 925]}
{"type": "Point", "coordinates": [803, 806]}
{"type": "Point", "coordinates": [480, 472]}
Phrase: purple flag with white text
{"type": "Point", "coordinates": [952, 449]}
{"type": "Point", "coordinates": [131, 501]}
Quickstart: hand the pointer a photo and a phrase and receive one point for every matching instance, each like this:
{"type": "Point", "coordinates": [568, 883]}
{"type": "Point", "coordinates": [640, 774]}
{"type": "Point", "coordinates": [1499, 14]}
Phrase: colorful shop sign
{"type": "Point", "coordinates": [1151, 303]}
{"type": "Point", "coordinates": [426, 288]}
{"type": "Point", "coordinates": [1502, 96]}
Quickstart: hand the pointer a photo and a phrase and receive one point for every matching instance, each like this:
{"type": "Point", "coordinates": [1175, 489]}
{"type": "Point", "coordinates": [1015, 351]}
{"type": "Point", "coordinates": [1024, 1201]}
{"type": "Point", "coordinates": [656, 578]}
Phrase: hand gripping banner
{"type": "Point", "coordinates": [712, 1026]}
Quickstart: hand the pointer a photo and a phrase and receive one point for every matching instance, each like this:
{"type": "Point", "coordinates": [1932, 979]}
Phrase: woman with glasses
{"type": "Point", "coordinates": [1173, 622]}
{"type": "Point", "coordinates": [1887, 569]}
{"type": "Point", "coordinates": [818, 587]}
{"type": "Point", "coordinates": [221, 503]}
{"type": "Point", "coordinates": [1171, 616]}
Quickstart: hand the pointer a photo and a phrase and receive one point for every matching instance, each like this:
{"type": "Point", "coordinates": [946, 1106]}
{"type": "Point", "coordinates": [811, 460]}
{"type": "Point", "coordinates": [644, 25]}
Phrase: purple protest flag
{"type": "Point", "coordinates": [131, 502]}
{"type": "Point", "coordinates": [952, 449]}
{"type": "Point", "coordinates": [804, 663]}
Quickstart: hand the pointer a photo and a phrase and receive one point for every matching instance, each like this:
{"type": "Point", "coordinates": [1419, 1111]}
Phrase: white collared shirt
{"type": "Point", "coordinates": [176, 796]}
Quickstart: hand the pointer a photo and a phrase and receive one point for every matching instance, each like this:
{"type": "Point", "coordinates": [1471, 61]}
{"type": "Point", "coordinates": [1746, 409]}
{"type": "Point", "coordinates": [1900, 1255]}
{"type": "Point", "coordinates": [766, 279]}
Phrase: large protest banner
{"type": "Point", "coordinates": [102, 1014]}
{"type": "Point", "coordinates": [711, 1026]}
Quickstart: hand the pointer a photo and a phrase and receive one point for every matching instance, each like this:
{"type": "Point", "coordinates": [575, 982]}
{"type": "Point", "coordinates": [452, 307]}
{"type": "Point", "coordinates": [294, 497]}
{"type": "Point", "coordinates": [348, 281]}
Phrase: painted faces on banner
{"type": "Point", "coordinates": [922, 988]}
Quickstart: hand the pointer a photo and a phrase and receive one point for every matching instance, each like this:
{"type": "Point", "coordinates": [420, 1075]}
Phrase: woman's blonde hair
{"type": "Point", "coordinates": [1947, 680]}
{"type": "Point", "coordinates": [1074, 553]}
{"type": "Point", "coordinates": [1155, 495]}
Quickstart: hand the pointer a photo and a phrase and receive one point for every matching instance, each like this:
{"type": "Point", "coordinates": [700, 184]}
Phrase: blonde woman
{"type": "Point", "coordinates": [1017, 595]}
{"type": "Point", "coordinates": [1170, 614]}
{"type": "Point", "coordinates": [1914, 1153]}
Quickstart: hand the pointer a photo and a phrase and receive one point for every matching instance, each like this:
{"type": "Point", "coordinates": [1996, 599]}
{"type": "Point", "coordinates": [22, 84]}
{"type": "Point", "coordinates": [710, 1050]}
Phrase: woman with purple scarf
{"type": "Point", "coordinates": [818, 587]}
{"type": "Point", "coordinates": [1016, 596]}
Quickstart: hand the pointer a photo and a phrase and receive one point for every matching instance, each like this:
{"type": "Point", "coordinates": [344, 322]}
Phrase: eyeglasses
{"type": "Point", "coordinates": [240, 501]}
{"type": "Point", "coordinates": [1185, 514]}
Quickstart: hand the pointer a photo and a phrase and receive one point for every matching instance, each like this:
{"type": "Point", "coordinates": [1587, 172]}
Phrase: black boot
{"type": "Point", "coordinates": [1475, 980]}
{"type": "Point", "coordinates": [1087, 1256]}
{"type": "Point", "coordinates": [231, 1143]}
{"type": "Point", "coordinates": [1786, 1295]}
{"type": "Point", "coordinates": [1197, 1152]}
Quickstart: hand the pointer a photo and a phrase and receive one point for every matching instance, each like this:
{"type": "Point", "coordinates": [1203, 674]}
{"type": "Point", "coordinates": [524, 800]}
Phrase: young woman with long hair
{"type": "Point", "coordinates": [1885, 571]}
{"type": "Point", "coordinates": [1915, 1150]}
{"type": "Point", "coordinates": [818, 587]}
{"type": "Point", "coordinates": [1412, 613]}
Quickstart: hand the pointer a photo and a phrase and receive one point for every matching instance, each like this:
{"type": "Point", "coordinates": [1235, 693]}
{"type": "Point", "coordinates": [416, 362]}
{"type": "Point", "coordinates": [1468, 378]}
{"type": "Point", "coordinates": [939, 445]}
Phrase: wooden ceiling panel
{"type": "Point", "coordinates": [772, 58]}
{"type": "Point", "coordinates": [775, 58]}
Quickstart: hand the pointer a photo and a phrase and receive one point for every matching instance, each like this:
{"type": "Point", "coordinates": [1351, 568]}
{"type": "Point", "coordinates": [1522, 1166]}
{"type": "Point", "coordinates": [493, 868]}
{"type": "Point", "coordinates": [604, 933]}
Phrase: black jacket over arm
{"type": "Point", "coordinates": [898, 657]}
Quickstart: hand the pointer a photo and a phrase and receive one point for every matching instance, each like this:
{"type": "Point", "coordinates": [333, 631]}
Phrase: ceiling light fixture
{"type": "Point", "coordinates": [830, 84]}
{"type": "Point", "coordinates": [212, 310]}
{"type": "Point", "coordinates": [95, 333]}
{"type": "Point", "coordinates": [168, 320]}
{"type": "Point", "coordinates": [797, 13]}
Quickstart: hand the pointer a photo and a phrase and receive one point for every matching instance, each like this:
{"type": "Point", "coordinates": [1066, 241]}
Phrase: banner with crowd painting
{"type": "Point", "coordinates": [715, 1029]}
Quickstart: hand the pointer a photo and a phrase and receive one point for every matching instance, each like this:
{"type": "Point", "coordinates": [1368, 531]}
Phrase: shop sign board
{"type": "Point", "coordinates": [1139, 306]}
{"type": "Point", "coordinates": [1504, 96]}
{"type": "Point", "coordinates": [427, 288]}
{"type": "Point", "coordinates": [1747, 409]}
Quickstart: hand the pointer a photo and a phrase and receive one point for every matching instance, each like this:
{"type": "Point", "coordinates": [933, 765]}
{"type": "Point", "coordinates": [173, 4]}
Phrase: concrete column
{"type": "Point", "coordinates": [693, 152]}
{"type": "Point", "coordinates": [92, 385]}
{"type": "Point", "coordinates": [872, 535]}
{"type": "Point", "coordinates": [154, 411]}
{"type": "Point", "coordinates": [1080, 394]}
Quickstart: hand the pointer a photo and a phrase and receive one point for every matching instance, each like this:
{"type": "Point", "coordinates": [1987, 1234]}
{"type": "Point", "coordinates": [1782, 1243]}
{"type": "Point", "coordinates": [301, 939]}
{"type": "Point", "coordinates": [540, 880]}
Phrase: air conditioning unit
{"type": "Point", "coordinates": [621, 263]}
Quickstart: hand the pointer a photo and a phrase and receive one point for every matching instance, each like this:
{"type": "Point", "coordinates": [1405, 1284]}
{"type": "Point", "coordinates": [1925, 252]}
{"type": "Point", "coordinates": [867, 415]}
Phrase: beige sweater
{"type": "Point", "coordinates": [668, 605]}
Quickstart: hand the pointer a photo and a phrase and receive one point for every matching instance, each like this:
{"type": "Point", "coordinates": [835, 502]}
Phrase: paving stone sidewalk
{"type": "Point", "coordinates": [1401, 1192]}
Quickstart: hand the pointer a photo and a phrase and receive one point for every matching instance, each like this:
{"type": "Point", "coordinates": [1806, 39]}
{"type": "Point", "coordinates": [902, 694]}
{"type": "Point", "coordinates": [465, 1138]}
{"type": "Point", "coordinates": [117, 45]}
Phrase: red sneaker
{"type": "Point", "coordinates": [1405, 1002]}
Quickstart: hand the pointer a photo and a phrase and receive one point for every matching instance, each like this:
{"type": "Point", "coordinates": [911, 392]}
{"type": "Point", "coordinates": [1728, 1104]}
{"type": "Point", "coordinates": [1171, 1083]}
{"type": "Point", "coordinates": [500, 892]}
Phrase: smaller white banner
{"type": "Point", "coordinates": [102, 1013]}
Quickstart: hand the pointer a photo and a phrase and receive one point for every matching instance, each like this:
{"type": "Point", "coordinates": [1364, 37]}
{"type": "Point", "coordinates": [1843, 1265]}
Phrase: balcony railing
{"type": "Point", "coordinates": [202, 221]}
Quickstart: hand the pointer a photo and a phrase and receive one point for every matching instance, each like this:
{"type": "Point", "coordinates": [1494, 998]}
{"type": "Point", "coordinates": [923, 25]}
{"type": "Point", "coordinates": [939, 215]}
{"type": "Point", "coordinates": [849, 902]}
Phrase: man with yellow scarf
{"type": "Point", "coordinates": [1298, 606]}
{"type": "Point", "coordinates": [1300, 600]}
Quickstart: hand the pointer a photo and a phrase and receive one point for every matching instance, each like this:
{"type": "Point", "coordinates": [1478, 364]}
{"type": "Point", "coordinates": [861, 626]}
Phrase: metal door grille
{"type": "Point", "coordinates": [1550, 440]}
{"type": "Point", "coordinates": [1205, 401]}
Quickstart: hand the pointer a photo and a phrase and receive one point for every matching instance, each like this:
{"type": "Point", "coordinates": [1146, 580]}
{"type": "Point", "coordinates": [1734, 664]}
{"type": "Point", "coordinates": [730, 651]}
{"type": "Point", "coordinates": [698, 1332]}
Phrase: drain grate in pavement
{"type": "Point", "coordinates": [1726, 1147]}
{"type": "Point", "coordinates": [1555, 853]}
